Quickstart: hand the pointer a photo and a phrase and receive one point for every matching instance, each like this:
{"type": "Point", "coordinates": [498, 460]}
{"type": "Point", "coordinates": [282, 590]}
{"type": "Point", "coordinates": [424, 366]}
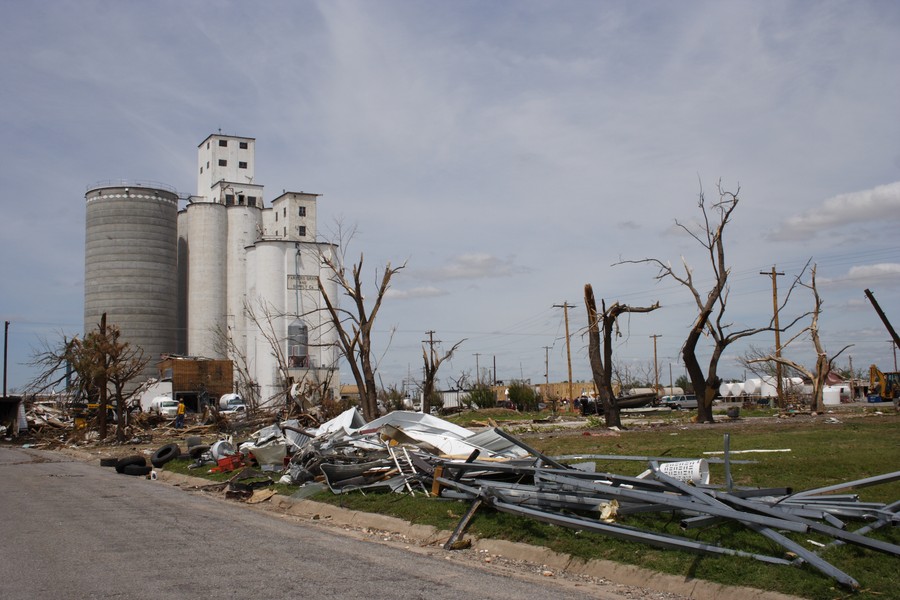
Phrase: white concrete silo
{"type": "Point", "coordinates": [282, 291]}
{"type": "Point", "coordinates": [130, 264]}
{"type": "Point", "coordinates": [266, 294]}
{"type": "Point", "coordinates": [207, 236]}
{"type": "Point", "coordinates": [244, 225]}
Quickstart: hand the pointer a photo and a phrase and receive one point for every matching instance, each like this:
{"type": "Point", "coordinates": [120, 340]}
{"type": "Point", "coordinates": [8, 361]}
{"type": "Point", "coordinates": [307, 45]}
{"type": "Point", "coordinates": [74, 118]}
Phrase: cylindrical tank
{"type": "Point", "coordinates": [725, 390]}
{"type": "Point", "coordinates": [130, 264]}
{"type": "Point", "coordinates": [298, 344]}
{"type": "Point", "coordinates": [244, 225]}
{"type": "Point", "coordinates": [831, 395]}
{"type": "Point", "coordinates": [752, 386]}
{"type": "Point", "coordinates": [207, 241]}
{"type": "Point", "coordinates": [266, 293]}
{"type": "Point", "coordinates": [285, 274]}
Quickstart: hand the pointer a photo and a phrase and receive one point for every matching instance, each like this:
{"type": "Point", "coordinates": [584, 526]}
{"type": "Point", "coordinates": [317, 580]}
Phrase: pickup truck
{"type": "Point", "coordinates": [679, 402]}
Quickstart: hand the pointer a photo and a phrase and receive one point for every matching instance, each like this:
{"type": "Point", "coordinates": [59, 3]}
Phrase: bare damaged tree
{"type": "Point", "coordinates": [823, 363]}
{"type": "Point", "coordinates": [601, 366]}
{"type": "Point", "coordinates": [432, 363]}
{"type": "Point", "coordinates": [750, 360]}
{"type": "Point", "coordinates": [125, 363]}
{"type": "Point", "coordinates": [98, 360]}
{"type": "Point", "coordinates": [354, 327]}
{"type": "Point", "coordinates": [265, 317]}
{"type": "Point", "coordinates": [312, 393]}
{"type": "Point", "coordinates": [246, 387]}
{"type": "Point", "coordinates": [710, 318]}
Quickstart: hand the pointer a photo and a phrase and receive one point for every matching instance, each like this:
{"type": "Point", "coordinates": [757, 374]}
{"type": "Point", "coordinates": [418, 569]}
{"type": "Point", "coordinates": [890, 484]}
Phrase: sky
{"type": "Point", "coordinates": [507, 152]}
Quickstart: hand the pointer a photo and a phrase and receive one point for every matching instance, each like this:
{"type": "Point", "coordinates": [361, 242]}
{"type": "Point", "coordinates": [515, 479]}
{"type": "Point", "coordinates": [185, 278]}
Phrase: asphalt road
{"type": "Point", "coordinates": [77, 530]}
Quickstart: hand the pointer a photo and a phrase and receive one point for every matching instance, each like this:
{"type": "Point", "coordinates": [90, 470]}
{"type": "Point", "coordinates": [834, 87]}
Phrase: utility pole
{"type": "Point", "coordinates": [101, 415]}
{"type": "Point", "coordinates": [566, 306]}
{"type": "Point", "coordinates": [5, 353]}
{"type": "Point", "coordinates": [477, 371]}
{"type": "Point", "coordinates": [547, 376]}
{"type": "Point", "coordinates": [778, 386]}
{"type": "Point", "coordinates": [884, 319]}
{"type": "Point", "coordinates": [655, 366]}
{"type": "Point", "coordinates": [431, 342]}
{"type": "Point", "coordinates": [671, 382]}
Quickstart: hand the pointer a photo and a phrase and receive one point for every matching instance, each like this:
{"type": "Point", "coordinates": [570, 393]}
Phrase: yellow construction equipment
{"type": "Point", "coordinates": [883, 387]}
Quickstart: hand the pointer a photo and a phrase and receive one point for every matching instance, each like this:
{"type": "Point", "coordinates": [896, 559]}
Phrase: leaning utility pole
{"type": "Point", "coordinates": [566, 306]}
{"type": "Point", "coordinates": [884, 320]}
{"type": "Point", "coordinates": [778, 385]}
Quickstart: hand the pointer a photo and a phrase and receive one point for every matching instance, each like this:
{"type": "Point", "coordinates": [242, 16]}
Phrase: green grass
{"type": "Point", "coordinates": [821, 454]}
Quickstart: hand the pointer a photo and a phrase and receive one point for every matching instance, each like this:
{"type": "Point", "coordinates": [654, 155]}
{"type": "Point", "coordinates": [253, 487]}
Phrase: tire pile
{"type": "Point", "coordinates": [136, 464]}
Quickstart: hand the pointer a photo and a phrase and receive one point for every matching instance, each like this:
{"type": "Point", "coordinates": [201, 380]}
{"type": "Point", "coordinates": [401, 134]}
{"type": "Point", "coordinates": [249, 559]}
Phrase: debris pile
{"type": "Point", "coordinates": [417, 453]}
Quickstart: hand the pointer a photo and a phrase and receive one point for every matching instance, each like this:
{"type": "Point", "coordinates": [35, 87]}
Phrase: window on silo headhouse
{"type": "Point", "coordinates": [302, 211]}
{"type": "Point", "coordinates": [229, 199]}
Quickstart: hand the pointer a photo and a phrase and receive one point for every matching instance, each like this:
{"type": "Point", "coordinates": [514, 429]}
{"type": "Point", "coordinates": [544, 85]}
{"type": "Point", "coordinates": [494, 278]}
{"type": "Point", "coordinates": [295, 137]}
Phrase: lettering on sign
{"type": "Point", "coordinates": [302, 282]}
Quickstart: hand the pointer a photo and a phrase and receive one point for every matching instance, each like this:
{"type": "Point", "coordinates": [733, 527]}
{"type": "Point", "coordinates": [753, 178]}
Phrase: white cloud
{"type": "Point", "coordinates": [882, 274]}
{"type": "Point", "coordinates": [419, 292]}
{"type": "Point", "coordinates": [474, 266]}
{"type": "Point", "coordinates": [877, 204]}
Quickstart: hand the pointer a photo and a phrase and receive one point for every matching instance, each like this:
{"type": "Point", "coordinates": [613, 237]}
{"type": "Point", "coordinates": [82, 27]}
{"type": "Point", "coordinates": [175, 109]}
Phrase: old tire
{"type": "Point", "coordinates": [137, 470]}
{"type": "Point", "coordinates": [197, 451]}
{"type": "Point", "coordinates": [165, 454]}
{"type": "Point", "coordinates": [135, 459]}
{"type": "Point", "coordinates": [108, 462]}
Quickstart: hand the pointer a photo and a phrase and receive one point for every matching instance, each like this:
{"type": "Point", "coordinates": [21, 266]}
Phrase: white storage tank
{"type": "Point", "coordinates": [831, 395]}
{"type": "Point", "coordinates": [752, 387]}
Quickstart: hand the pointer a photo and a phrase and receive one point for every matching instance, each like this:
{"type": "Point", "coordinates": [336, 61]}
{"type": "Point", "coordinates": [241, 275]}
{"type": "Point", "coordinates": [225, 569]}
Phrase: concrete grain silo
{"type": "Point", "coordinates": [244, 225]}
{"type": "Point", "coordinates": [130, 264]}
{"type": "Point", "coordinates": [266, 296]}
{"type": "Point", "coordinates": [207, 235]}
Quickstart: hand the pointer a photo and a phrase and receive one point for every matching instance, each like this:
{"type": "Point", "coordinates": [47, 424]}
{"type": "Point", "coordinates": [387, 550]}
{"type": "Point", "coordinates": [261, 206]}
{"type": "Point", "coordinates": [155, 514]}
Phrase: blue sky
{"type": "Point", "coordinates": [510, 152]}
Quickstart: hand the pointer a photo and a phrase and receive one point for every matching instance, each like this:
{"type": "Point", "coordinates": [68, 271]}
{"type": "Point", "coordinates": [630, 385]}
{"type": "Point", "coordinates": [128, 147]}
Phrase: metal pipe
{"type": "Point", "coordinates": [858, 483]}
{"type": "Point", "coordinates": [629, 534]}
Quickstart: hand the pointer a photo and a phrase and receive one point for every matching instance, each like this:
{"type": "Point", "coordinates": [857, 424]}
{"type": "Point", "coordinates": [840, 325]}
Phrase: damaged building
{"type": "Point", "coordinates": [219, 274]}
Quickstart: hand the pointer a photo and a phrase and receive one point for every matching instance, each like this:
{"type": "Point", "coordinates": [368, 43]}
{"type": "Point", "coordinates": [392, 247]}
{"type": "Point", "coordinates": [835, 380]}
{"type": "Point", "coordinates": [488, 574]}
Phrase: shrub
{"type": "Point", "coordinates": [480, 396]}
{"type": "Point", "coordinates": [523, 396]}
